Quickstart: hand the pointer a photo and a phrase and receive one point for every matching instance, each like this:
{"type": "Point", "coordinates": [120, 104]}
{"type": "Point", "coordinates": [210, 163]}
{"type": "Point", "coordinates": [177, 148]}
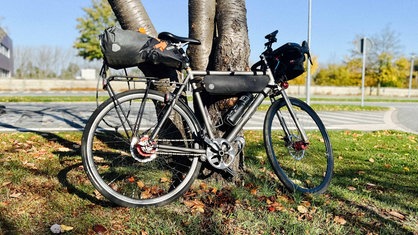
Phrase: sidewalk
{"type": "Point", "coordinates": [50, 117]}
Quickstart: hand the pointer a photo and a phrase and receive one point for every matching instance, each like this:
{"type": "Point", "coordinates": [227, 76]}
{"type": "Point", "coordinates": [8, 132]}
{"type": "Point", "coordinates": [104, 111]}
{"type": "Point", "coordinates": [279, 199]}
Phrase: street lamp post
{"type": "Point", "coordinates": [308, 79]}
{"type": "Point", "coordinates": [410, 75]}
{"type": "Point", "coordinates": [363, 71]}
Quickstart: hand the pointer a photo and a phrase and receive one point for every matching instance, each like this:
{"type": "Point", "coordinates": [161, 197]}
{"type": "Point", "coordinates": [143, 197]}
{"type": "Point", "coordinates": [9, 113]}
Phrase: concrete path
{"type": "Point", "coordinates": [49, 117]}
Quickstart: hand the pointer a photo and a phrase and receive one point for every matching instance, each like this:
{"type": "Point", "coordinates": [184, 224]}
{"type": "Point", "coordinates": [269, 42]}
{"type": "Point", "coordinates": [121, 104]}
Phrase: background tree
{"type": "Point", "coordinates": [384, 68]}
{"type": "Point", "coordinates": [41, 62]}
{"type": "Point", "coordinates": [98, 18]}
{"type": "Point", "coordinates": [301, 79]}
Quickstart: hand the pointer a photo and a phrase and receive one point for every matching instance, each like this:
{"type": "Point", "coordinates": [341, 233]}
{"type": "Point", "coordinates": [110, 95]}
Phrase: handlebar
{"type": "Point", "coordinates": [271, 37]}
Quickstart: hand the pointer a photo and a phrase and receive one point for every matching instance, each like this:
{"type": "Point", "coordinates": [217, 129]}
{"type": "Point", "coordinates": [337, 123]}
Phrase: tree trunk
{"type": "Point", "coordinates": [201, 26]}
{"type": "Point", "coordinates": [132, 15]}
{"type": "Point", "coordinates": [225, 46]}
{"type": "Point", "coordinates": [232, 48]}
{"type": "Point", "coordinates": [231, 53]}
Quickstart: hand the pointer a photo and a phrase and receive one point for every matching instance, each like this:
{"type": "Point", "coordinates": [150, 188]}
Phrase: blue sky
{"type": "Point", "coordinates": [335, 23]}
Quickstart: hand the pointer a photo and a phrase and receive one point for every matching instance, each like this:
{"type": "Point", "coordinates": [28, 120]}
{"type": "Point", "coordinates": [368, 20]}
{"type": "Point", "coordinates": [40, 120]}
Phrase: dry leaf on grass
{"type": "Point", "coordinates": [302, 209]}
{"type": "Point", "coordinates": [339, 220]}
{"type": "Point", "coordinates": [196, 206]}
{"type": "Point", "coordinates": [397, 215]}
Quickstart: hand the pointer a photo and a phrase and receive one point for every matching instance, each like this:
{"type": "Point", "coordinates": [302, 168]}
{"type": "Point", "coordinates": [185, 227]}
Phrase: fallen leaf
{"type": "Point", "coordinates": [140, 184]}
{"type": "Point", "coordinates": [397, 215]}
{"type": "Point", "coordinates": [196, 206]}
{"type": "Point", "coordinates": [370, 185]}
{"type": "Point", "coordinates": [306, 203]}
{"type": "Point", "coordinates": [99, 229]}
{"type": "Point", "coordinates": [143, 232]}
{"type": "Point", "coordinates": [339, 220]}
{"type": "Point", "coordinates": [406, 169]}
{"type": "Point", "coordinates": [131, 179]}
{"type": "Point", "coordinates": [30, 165]}
{"type": "Point", "coordinates": [164, 180]}
{"type": "Point", "coordinates": [302, 209]}
{"type": "Point", "coordinates": [146, 194]}
{"type": "Point", "coordinates": [253, 191]}
{"type": "Point", "coordinates": [65, 228]}
{"type": "Point", "coordinates": [351, 188]}
{"type": "Point", "coordinates": [15, 195]}
{"type": "Point", "coordinates": [64, 149]}
{"type": "Point", "coordinates": [6, 183]}
{"type": "Point", "coordinates": [203, 186]}
{"type": "Point", "coordinates": [371, 160]}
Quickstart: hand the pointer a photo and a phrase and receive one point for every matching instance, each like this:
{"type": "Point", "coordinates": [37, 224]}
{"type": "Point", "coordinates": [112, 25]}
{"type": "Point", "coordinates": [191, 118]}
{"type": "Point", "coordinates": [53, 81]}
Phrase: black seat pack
{"type": "Point", "coordinates": [126, 48]}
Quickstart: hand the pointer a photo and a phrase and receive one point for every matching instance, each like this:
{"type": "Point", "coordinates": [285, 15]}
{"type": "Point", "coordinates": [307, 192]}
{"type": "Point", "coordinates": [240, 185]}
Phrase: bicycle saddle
{"type": "Point", "coordinates": [174, 38]}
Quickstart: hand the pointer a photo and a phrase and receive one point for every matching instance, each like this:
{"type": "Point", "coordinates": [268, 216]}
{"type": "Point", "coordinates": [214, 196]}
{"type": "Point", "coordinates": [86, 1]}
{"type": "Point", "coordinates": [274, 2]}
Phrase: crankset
{"type": "Point", "coordinates": [220, 153]}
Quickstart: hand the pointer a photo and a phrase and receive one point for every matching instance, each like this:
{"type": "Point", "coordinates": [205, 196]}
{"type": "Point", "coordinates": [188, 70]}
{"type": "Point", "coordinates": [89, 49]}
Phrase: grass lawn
{"type": "Point", "coordinates": [374, 191]}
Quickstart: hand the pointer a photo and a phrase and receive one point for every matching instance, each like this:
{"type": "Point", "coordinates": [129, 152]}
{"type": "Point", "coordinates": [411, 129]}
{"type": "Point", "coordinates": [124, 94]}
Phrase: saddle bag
{"type": "Point", "coordinates": [127, 48]}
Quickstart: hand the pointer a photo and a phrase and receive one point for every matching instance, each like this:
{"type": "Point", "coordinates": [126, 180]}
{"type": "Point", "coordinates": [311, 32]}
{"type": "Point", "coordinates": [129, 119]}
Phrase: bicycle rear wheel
{"type": "Point", "coordinates": [300, 167]}
{"type": "Point", "coordinates": [136, 172]}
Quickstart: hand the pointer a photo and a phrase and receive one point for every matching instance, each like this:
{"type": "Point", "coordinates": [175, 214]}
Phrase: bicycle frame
{"type": "Point", "coordinates": [231, 135]}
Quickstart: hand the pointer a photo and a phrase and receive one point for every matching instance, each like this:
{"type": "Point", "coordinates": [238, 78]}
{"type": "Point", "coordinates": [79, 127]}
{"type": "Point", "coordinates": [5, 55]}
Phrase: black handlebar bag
{"type": "Point", "coordinates": [287, 61]}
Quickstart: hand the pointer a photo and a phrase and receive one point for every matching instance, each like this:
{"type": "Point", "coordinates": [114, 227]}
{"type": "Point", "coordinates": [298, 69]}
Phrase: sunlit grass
{"type": "Point", "coordinates": [373, 192]}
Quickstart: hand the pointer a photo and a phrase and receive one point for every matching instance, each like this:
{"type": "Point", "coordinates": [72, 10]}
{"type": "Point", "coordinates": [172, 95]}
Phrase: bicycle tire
{"type": "Point", "coordinates": [118, 171]}
{"type": "Point", "coordinates": [305, 170]}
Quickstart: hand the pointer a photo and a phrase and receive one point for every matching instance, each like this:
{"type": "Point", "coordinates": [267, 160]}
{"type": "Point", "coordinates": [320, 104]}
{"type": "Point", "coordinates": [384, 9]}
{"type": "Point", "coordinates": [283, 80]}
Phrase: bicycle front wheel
{"type": "Point", "coordinates": [128, 167]}
{"type": "Point", "coordinates": [303, 167]}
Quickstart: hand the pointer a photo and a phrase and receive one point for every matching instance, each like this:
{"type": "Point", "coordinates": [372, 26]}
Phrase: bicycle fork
{"type": "Point", "coordinates": [298, 145]}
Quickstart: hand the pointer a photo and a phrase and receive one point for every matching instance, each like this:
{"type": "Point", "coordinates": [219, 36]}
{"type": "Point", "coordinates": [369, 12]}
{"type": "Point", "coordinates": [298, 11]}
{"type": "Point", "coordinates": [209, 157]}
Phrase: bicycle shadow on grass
{"type": "Point", "coordinates": [72, 176]}
{"type": "Point", "coordinates": [69, 158]}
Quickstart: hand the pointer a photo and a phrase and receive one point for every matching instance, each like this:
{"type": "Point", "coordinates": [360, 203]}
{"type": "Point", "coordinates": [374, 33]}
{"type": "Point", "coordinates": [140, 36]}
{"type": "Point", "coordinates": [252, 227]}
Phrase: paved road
{"type": "Point", "coordinates": [73, 116]}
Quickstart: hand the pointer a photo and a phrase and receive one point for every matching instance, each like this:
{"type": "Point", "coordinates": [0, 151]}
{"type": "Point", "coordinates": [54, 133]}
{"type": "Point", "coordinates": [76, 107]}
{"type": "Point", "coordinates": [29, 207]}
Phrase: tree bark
{"type": "Point", "coordinates": [132, 15]}
{"type": "Point", "coordinates": [225, 46]}
{"type": "Point", "coordinates": [201, 26]}
{"type": "Point", "coordinates": [232, 49]}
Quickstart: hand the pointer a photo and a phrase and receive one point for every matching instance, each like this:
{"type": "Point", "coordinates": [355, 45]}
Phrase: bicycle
{"type": "Point", "coordinates": [142, 147]}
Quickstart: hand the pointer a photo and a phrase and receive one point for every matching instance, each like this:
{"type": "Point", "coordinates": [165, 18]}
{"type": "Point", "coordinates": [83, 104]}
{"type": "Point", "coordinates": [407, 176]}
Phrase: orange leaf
{"type": "Point", "coordinates": [164, 180]}
{"type": "Point", "coordinates": [195, 205]}
{"type": "Point", "coordinates": [339, 220]}
{"type": "Point", "coordinates": [140, 184]}
{"type": "Point", "coordinates": [146, 194]}
{"type": "Point", "coordinates": [131, 179]}
{"type": "Point", "coordinates": [306, 203]}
